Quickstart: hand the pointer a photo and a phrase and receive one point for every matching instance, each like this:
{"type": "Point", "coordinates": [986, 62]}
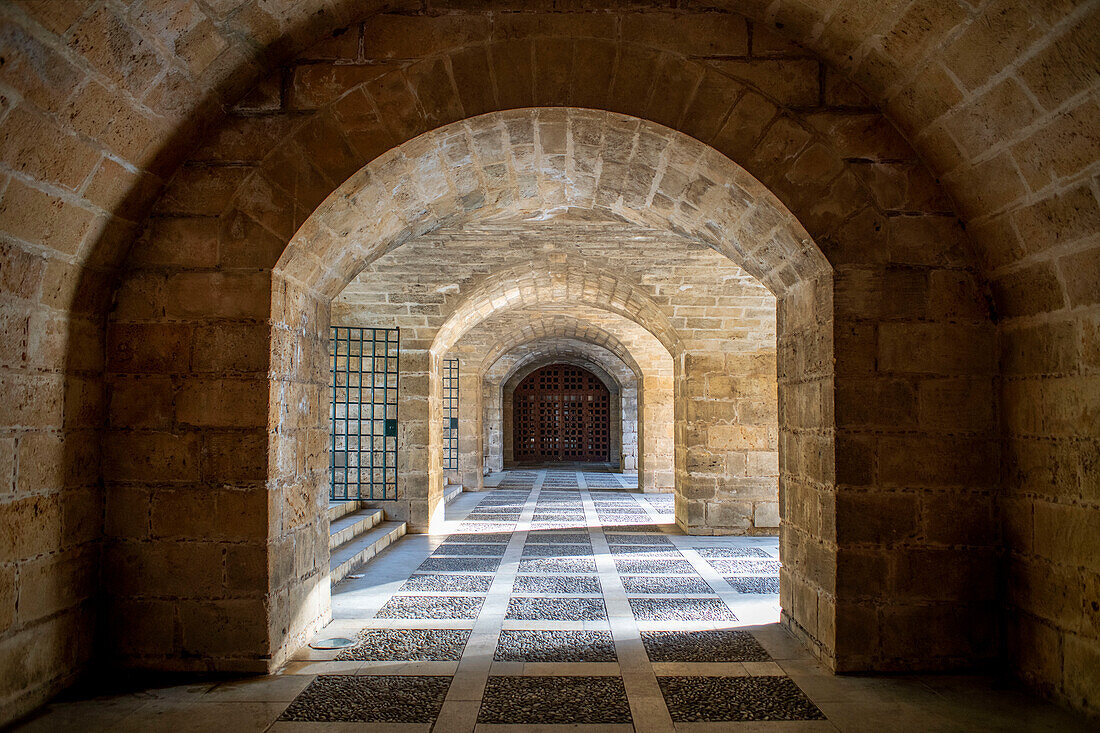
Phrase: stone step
{"type": "Point", "coordinates": [349, 556]}
{"type": "Point", "coordinates": [352, 525]}
{"type": "Point", "coordinates": [451, 492]}
{"type": "Point", "coordinates": [337, 509]}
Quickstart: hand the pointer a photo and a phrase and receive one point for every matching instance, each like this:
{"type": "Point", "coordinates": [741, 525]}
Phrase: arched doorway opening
{"type": "Point", "coordinates": [561, 413]}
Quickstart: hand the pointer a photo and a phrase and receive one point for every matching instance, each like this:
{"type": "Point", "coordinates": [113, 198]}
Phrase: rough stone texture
{"type": "Point", "coordinates": [542, 584]}
{"type": "Point", "coordinates": [370, 698]}
{"type": "Point", "coordinates": [630, 566]}
{"type": "Point", "coordinates": [556, 609]}
{"type": "Point", "coordinates": [415, 645]}
{"type": "Point", "coordinates": [703, 646]}
{"type": "Point", "coordinates": [447, 583]}
{"type": "Point", "coordinates": [555, 646]}
{"type": "Point", "coordinates": [692, 699]}
{"type": "Point", "coordinates": [680, 609]}
{"type": "Point", "coordinates": [460, 564]}
{"type": "Point", "coordinates": [652, 584]}
{"type": "Point", "coordinates": [103, 105]}
{"type": "Point", "coordinates": [558, 538]}
{"type": "Point", "coordinates": [493, 549]}
{"type": "Point", "coordinates": [556, 565]}
{"type": "Point", "coordinates": [431, 607]}
{"type": "Point", "coordinates": [754, 584]}
{"type": "Point", "coordinates": [554, 700]}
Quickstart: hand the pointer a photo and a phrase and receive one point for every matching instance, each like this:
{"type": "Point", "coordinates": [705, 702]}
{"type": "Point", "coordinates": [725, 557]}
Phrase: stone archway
{"type": "Point", "coordinates": [678, 185]}
{"type": "Point", "coordinates": [722, 208]}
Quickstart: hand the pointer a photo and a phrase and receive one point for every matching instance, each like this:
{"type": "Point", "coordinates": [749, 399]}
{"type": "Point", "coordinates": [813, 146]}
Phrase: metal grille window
{"type": "Point", "coordinates": [364, 413]}
{"type": "Point", "coordinates": [450, 413]}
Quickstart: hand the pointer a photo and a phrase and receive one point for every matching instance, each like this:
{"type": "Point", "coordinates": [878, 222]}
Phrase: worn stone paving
{"type": "Point", "coordinates": [554, 700]}
{"type": "Point", "coordinates": [594, 611]}
{"type": "Point", "coordinates": [566, 584]}
{"type": "Point", "coordinates": [556, 609]}
{"type": "Point", "coordinates": [431, 607]}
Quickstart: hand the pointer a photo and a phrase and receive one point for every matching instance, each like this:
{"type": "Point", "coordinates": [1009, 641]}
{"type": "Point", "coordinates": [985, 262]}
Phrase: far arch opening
{"type": "Point", "coordinates": [562, 414]}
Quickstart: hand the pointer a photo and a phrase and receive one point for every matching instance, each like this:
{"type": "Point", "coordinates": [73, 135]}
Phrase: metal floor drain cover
{"type": "Point", "coordinates": [336, 642]}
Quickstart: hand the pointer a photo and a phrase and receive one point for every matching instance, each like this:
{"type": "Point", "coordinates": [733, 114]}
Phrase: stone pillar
{"type": "Point", "coordinates": [493, 421]}
{"type": "Point", "coordinates": [469, 427]}
{"type": "Point", "coordinates": [631, 428]}
{"type": "Point", "coordinates": [727, 482]}
{"type": "Point", "coordinates": [656, 472]}
{"type": "Point", "coordinates": [420, 439]}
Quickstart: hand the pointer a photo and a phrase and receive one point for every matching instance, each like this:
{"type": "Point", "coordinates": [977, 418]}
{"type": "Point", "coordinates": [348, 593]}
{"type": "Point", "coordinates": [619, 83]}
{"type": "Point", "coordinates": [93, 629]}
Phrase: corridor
{"type": "Point", "coordinates": [558, 599]}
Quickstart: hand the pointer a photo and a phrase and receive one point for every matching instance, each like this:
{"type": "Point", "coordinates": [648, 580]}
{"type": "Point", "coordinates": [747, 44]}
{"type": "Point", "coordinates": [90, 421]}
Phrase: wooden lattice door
{"type": "Point", "coordinates": [561, 413]}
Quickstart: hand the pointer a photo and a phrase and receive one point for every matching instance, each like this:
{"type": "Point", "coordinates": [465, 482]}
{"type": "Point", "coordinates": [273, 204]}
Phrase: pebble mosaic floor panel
{"type": "Point", "coordinates": [370, 699]}
{"type": "Point", "coordinates": [562, 597]}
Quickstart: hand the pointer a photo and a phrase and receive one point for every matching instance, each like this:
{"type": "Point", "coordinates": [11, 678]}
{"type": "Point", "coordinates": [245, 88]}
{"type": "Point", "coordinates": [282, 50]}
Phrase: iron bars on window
{"type": "Point", "coordinates": [450, 414]}
{"type": "Point", "coordinates": [364, 413]}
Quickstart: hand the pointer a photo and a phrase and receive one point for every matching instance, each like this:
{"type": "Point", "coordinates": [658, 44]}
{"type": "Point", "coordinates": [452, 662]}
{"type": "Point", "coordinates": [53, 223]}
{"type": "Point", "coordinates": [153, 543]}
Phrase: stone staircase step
{"type": "Point", "coordinates": [351, 554]}
{"type": "Point", "coordinates": [451, 492]}
{"type": "Point", "coordinates": [352, 525]}
{"type": "Point", "coordinates": [337, 509]}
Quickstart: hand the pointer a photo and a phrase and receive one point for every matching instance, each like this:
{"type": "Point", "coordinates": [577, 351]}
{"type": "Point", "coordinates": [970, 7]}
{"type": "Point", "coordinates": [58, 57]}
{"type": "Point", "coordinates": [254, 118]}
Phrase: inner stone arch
{"type": "Point", "coordinates": [497, 188]}
{"type": "Point", "coordinates": [622, 386]}
{"type": "Point", "coordinates": [518, 338]}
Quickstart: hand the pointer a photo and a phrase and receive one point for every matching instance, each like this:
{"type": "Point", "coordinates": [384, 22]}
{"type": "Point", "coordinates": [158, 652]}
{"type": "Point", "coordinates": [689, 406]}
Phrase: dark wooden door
{"type": "Point", "coordinates": [561, 413]}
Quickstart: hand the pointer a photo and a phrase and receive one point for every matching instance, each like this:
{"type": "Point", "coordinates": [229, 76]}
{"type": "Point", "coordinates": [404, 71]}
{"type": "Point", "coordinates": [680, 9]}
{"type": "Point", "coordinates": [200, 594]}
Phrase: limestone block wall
{"type": "Point", "coordinates": [728, 477]}
{"type": "Point", "coordinates": [471, 432]}
{"type": "Point", "coordinates": [714, 307]}
{"type": "Point", "coordinates": [813, 609]}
